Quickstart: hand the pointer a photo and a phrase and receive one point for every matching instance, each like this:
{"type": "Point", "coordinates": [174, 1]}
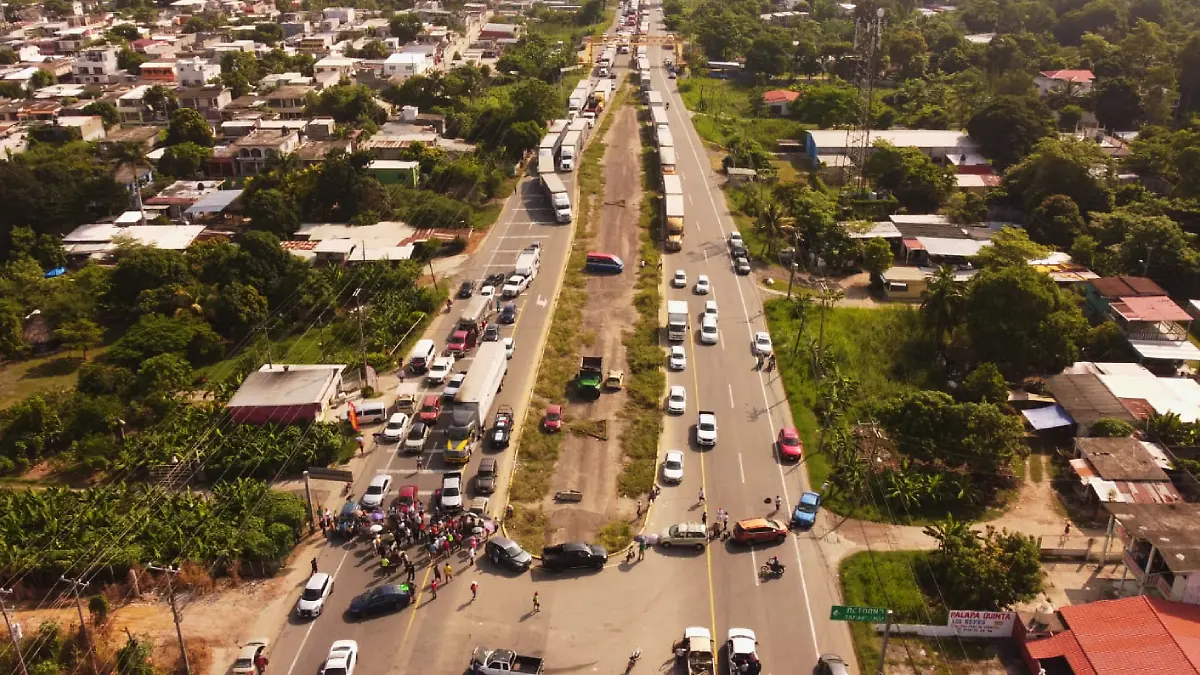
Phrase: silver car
{"type": "Point", "coordinates": [684, 534]}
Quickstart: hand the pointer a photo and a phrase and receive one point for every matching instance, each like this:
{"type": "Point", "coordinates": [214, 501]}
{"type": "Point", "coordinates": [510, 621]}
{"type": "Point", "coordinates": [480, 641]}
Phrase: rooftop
{"type": "Point", "coordinates": [1125, 636]}
{"type": "Point", "coordinates": [1150, 308]}
{"type": "Point", "coordinates": [1120, 459]}
{"type": "Point", "coordinates": [1171, 528]}
{"type": "Point", "coordinates": [184, 192]}
{"type": "Point", "coordinates": [1068, 75]}
{"type": "Point", "coordinates": [780, 96]}
{"type": "Point", "coordinates": [1126, 286]}
{"type": "Point", "coordinates": [836, 139]}
{"type": "Point", "coordinates": [1085, 398]}
{"type": "Point", "coordinates": [286, 385]}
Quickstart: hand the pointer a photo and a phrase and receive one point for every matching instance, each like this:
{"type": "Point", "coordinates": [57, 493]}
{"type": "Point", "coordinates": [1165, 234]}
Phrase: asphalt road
{"type": "Point", "coordinates": [302, 646]}
{"type": "Point", "coordinates": [789, 615]}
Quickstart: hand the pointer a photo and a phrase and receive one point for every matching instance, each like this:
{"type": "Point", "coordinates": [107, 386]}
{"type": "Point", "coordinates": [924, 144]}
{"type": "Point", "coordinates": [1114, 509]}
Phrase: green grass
{"type": "Point", "coordinates": [615, 535]}
{"type": "Point", "coordinates": [647, 381]}
{"type": "Point", "coordinates": [723, 108]}
{"type": "Point", "coordinates": [886, 579]}
{"type": "Point", "coordinates": [1037, 468]}
{"type": "Point", "coordinates": [21, 379]}
{"type": "Point", "coordinates": [875, 347]}
{"type": "Point", "coordinates": [538, 451]}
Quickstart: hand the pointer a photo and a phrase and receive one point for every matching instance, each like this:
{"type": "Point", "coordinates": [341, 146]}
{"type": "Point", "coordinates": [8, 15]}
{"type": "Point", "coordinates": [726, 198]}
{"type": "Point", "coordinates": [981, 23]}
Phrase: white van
{"type": "Point", "coordinates": [708, 329]}
{"type": "Point", "coordinates": [371, 412]}
{"type": "Point", "coordinates": [421, 355]}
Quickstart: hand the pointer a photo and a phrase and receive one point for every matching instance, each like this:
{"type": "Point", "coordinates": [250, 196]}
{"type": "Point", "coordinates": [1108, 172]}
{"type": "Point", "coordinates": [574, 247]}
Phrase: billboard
{"type": "Point", "coordinates": [974, 623]}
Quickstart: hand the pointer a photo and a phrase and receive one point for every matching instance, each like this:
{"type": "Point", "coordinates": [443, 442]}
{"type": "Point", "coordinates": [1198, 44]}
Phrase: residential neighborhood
{"type": "Point", "coordinates": [710, 337]}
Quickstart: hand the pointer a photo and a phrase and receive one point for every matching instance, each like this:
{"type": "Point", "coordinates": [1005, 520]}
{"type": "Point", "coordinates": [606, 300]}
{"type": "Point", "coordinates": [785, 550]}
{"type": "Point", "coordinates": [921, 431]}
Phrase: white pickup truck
{"type": "Point", "coordinates": [515, 286]}
{"type": "Point", "coordinates": [440, 369]}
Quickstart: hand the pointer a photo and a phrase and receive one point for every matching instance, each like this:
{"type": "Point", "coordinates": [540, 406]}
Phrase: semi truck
{"type": "Point", "coordinates": [673, 218]}
{"type": "Point", "coordinates": [658, 116]}
{"type": "Point", "coordinates": [591, 372]}
{"type": "Point", "coordinates": [545, 162]}
{"type": "Point", "coordinates": [666, 159]}
{"type": "Point", "coordinates": [677, 320]}
{"type": "Point", "coordinates": [473, 401]}
{"type": "Point", "coordinates": [664, 138]}
{"type": "Point", "coordinates": [560, 199]}
{"type": "Point", "coordinates": [672, 184]}
{"type": "Point", "coordinates": [654, 99]}
{"type": "Point", "coordinates": [474, 319]}
{"type": "Point", "coordinates": [644, 79]}
{"type": "Point", "coordinates": [572, 147]}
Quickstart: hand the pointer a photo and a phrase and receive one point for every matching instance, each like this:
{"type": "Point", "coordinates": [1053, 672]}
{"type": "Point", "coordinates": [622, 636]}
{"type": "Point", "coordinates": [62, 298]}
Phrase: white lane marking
{"type": "Point", "coordinates": [731, 403]}
{"type": "Point", "coordinates": [754, 567]}
{"type": "Point", "coordinates": [741, 469]}
{"type": "Point", "coordinates": [721, 338]}
{"type": "Point", "coordinates": [812, 625]}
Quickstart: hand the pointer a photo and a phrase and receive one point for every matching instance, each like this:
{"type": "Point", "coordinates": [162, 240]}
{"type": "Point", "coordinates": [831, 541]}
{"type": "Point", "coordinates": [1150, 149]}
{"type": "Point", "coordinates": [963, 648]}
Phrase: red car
{"type": "Point", "coordinates": [431, 408]}
{"type": "Point", "coordinates": [408, 497]}
{"type": "Point", "coordinates": [458, 342]}
{"type": "Point", "coordinates": [757, 530]}
{"type": "Point", "coordinates": [788, 444]}
{"type": "Point", "coordinates": [553, 419]}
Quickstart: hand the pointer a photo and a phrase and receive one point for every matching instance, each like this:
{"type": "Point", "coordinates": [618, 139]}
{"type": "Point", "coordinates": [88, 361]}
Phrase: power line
{"type": "Point", "coordinates": [12, 632]}
{"type": "Point", "coordinates": [171, 572]}
{"type": "Point", "coordinates": [91, 644]}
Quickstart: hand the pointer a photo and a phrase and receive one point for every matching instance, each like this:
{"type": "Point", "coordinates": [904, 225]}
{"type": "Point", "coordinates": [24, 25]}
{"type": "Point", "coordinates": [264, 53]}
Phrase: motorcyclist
{"type": "Point", "coordinates": [775, 565]}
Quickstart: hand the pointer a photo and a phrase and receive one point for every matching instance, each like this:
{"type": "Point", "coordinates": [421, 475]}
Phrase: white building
{"type": "Point", "coordinates": [405, 65]}
{"type": "Point", "coordinates": [1050, 80]}
{"type": "Point", "coordinates": [342, 14]}
{"type": "Point", "coordinates": [96, 66]}
{"type": "Point", "coordinates": [334, 65]}
{"type": "Point", "coordinates": [196, 72]}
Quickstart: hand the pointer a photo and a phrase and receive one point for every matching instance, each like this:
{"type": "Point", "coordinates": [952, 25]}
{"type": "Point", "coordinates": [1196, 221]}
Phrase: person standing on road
{"type": "Point", "coordinates": [537, 606]}
{"type": "Point", "coordinates": [700, 499]}
{"type": "Point", "coordinates": [449, 573]}
{"type": "Point", "coordinates": [642, 550]}
{"type": "Point", "coordinates": [433, 588]}
{"type": "Point", "coordinates": [474, 590]}
{"type": "Point", "coordinates": [261, 662]}
{"type": "Point", "coordinates": [437, 573]}
{"type": "Point", "coordinates": [314, 565]}
{"type": "Point", "coordinates": [778, 503]}
{"type": "Point", "coordinates": [704, 517]}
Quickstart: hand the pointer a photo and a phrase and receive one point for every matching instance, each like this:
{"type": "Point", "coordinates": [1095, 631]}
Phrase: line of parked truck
{"type": "Point", "coordinates": [562, 146]}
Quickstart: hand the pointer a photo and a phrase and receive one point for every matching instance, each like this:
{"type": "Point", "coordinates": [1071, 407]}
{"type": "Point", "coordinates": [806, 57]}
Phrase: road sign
{"type": "Point", "coordinates": [863, 614]}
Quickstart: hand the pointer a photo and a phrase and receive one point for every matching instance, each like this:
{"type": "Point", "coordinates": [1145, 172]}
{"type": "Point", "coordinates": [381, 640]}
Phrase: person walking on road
{"type": "Point", "coordinates": [642, 550]}
{"type": "Point", "coordinates": [412, 571]}
{"type": "Point", "coordinates": [314, 565]}
{"type": "Point", "coordinates": [437, 573]}
{"type": "Point", "coordinates": [704, 517]}
{"type": "Point", "coordinates": [778, 503]}
{"type": "Point", "coordinates": [474, 590]}
{"type": "Point", "coordinates": [449, 573]}
{"type": "Point", "coordinates": [537, 606]}
{"type": "Point", "coordinates": [700, 499]}
{"type": "Point", "coordinates": [433, 588]}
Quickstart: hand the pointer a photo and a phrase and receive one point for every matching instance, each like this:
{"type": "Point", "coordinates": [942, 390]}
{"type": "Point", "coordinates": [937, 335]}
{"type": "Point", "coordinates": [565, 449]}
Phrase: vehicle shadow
{"type": "Point", "coordinates": [540, 574]}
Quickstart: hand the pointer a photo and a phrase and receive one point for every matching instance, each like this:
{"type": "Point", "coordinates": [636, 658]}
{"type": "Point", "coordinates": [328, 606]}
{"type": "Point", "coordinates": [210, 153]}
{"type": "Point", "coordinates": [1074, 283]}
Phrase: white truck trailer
{"type": "Point", "coordinates": [474, 400]}
{"type": "Point", "coordinates": [560, 199]}
{"type": "Point", "coordinates": [677, 320]}
{"type": "Point", "coordinates": [572, 148]}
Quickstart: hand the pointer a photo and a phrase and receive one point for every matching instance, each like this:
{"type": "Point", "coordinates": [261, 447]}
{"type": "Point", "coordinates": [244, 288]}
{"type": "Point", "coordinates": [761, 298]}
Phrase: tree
{"type": "Point", "coordinates": [768, 54]}
{"type": "Point", "coordinates": [164, 374]}
{"type": "Point", "coordinates": [236, 309]}
{"type": "Point", "coordinates": [161, 101]}
{"type": "Point", "coordinates": [941, 304]}
{"type": "Point", "coordinates": [272, 210]}
{"type": "Point", "coordinates": [374, 49]}
{"type": "Point", "coordinates": [1020, 320]}
{"type": "Point", "coordinates": [991, 571]}
{"type": "Point", "coordinates": [12, 326]}
{"type": "Point", "coordinates": [1119, 105]}
{"type": "Point", "coordinates": [876, 256]}
{"type": "Point", "coordinates": [140, 269]}
{"type": "Point", "coordinates": [920, 185]}
{"type": "Point", "coordinates": [185, 160]}
{"type": "Point", "coordinates": [1111, 428]}
{"type": "Point", "coordinates": [1007, 129]}
{"type": "Point", "coordinates": [1188, 63]}
{"type": "Point", "coordinates": [1150, 245]}
{"type": "Point", "coordinates": [814, 214]}
{"type": "Point", "coordinates": [534, 101]}
{"type": "Point", "coordinates": [966, 208]}
{"type": "Point", "coordinates": [10, 89]}
{"type": "Point", "coordinates": [1060, 167]}
{"type": "Point", "coordinates": [105, 110]}
{"type": "Point", "coordinates": [405, 27]}
{"type": "Point", "coordinates": [1055, 222]}
{"type": "Point", "coordinates": [127, 59]}
{"type": "Point", "coordinates": [985, 384]}
{"type": "Point", "coordinates": [907, 52]}
{"type": "Point", "coordinates": [1010, 247]}
{"type": "Point", "coordinates": [240, 71]}
{"type": "Point", "coordinates": [267, 33]}
{"type": "Point", "coordinates": [1069, 117]}
{"type": "Point", "coordinates": [81, 334]}
{"type": "Point", "coordinates": [347, 104]}
{"type": "Point", "coordinates": [125, 31]}
{"type": "Point", "coordinates": [189, 126]}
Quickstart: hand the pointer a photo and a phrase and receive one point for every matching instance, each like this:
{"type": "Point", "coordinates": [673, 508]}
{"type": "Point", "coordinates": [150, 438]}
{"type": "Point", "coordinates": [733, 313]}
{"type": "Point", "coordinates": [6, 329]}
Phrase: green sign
{"type": "Point", "coordinates": [863, 614]}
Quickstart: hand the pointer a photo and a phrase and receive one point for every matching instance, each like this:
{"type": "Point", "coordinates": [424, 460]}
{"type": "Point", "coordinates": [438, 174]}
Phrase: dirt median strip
{"type": "Point", "coordinates": [537, 452]}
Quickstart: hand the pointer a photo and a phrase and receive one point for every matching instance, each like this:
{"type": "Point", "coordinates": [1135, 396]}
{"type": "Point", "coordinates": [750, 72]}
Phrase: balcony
{"type": "Point", "coordinates": [1153, 318]}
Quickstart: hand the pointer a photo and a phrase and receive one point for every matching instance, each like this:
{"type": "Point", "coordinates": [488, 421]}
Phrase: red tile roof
{"type": "Point", "coordinates": [1069, 75]}
{"type": "Point", "coordinates": [1132, 635]}
{"type": "Point", "coordinates": [780, 96]}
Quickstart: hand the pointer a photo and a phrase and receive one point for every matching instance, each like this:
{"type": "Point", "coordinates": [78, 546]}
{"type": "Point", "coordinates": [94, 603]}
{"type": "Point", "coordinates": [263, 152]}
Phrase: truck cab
{"type": "Point", "coordinates": [590, 375]}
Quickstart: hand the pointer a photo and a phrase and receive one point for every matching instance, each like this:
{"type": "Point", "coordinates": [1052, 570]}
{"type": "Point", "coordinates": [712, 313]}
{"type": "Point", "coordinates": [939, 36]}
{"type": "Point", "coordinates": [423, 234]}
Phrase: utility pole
{"type": "Point", "coordinates": [76, 584]}
{"type": "Point", "coordinates": [12, 633]}
{"type": "Point", "coordinates": [887, 629]}
{"type": "Point", "coordinates": [362, 335]}
{"type": "Point", "coordinates": [171, 572]}
{"type": "Point", "coordinates": [433, 276]}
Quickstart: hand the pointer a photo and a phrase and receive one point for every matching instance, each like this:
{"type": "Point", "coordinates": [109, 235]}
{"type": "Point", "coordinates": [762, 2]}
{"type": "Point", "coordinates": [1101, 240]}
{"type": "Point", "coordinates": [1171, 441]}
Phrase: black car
{"type": "Point", "coordinates": [491, 333]}
{"type": "Point", "coordinates": [467, 289]}
{"type": "Point", "coordinates": [485, 476]}
{"type": "Point", "coordinates": [502, 427]}
{"type": "Point", "coordinates": [508, 313]}
{"type": "Point", "coordinates": [574, 555]}
{"type": "Point", "coordinates": [385, 598]}
{"type": "Point", "coordinates": [494, 280]}
{"type": "Point", "coordinates": [507, 553]}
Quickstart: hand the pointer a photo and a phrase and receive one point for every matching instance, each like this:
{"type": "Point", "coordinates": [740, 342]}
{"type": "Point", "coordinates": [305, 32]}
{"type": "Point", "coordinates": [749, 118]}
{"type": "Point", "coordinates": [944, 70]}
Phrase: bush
{"type": "Point", "coordinates": [1112, 428]}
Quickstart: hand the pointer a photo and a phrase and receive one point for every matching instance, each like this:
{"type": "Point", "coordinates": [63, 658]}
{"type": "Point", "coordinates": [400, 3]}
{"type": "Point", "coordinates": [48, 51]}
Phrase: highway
{"type": "Point", "coordinates": [526, 218]}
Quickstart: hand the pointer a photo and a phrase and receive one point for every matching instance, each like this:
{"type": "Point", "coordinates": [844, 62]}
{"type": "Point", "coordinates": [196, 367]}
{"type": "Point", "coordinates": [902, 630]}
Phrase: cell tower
{"type": "Point", "coordinates": [868, 41]}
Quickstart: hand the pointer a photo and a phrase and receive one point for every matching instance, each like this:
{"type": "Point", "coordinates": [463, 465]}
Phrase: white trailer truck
{"type": "Point", "coordinates": [572, 148]}
{"type": "Point", "coordinates": [560, 199]}
{"type": "Point", "coordinates": [677, 320]}
{"type": "Point", "coordinates": [474, 400]}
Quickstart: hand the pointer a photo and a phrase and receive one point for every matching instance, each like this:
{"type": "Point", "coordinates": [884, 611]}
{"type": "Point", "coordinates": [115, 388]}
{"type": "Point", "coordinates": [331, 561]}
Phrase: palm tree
{"type": "Point", "coordinates": [802, 304]}
{"type": "Point", "coordinates": [127, 154]}
{"type": "Point", "coordinates": [770, 217]}
{"type": "Point", "coordinates": [941, 304]}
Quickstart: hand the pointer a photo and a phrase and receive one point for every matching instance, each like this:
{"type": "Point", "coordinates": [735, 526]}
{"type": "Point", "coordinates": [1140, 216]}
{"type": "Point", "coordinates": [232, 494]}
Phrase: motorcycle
{"type": "Point", "coordinates": [771, 571]}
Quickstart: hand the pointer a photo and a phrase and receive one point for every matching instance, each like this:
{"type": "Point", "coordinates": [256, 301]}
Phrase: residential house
{"type": "Point", "coordinates": [182, 195]}
{"type": "Point", "coordinates": [905, 283]}
{"type": "Point", "coordinates": [1082, 400]}
{"type": "Point", "coordinates": [315, 45]}
{"type": "Point", "coordinates": [71, 40]}
{"type": "Point", "coordinates": [289, 101]}
{"type": "Point", "coordinates": [287, 394]}
{"type": "Point", "coordinates": [157, 72]}
{"type": "Point", "coordinates": [395, 172]}
{"type": "Point", "coordinates": [1161, 548]}
{"type": "Point", "coordinates": [90, 128]}
{"type": "Point", "coordinates": [342, 14]}
{"type": "Point", "coordinates": [778, 100]}
{"type": "Point", "coordinates": [1122, 470]}
{"type": "Point", "coordinates": [133, 109]}
{"type": "Point", "coordinates": [1140, 634]}
{"type": "Point", "coordinates": [405, 65]}
{"type": "Point", "coordinates": [499, 31]}
{"type": "Point", "coordinates": [255, 150]}
{"type": "Point", "coordinates": [1156, 327]}
{"type": "Point", "coordinates": [334, 65]}
{"type": "Point", "coordinates": [97, 65]}
{"type": "Point", "coordinates": [98, 241]}
{"type": "Point", "coordinates": [208, 101]}
{"type": "Point", "coordinates": [1061, 80]}
{"type": "Point", "coordinates": [938, 144]}
{"type": "Point", "coordinates": [196, 72]}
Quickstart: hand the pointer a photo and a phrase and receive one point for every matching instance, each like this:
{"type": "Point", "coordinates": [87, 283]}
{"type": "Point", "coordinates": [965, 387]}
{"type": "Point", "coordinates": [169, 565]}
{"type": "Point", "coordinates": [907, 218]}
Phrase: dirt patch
{"type": "Point", "coordinates": [585, 462]}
